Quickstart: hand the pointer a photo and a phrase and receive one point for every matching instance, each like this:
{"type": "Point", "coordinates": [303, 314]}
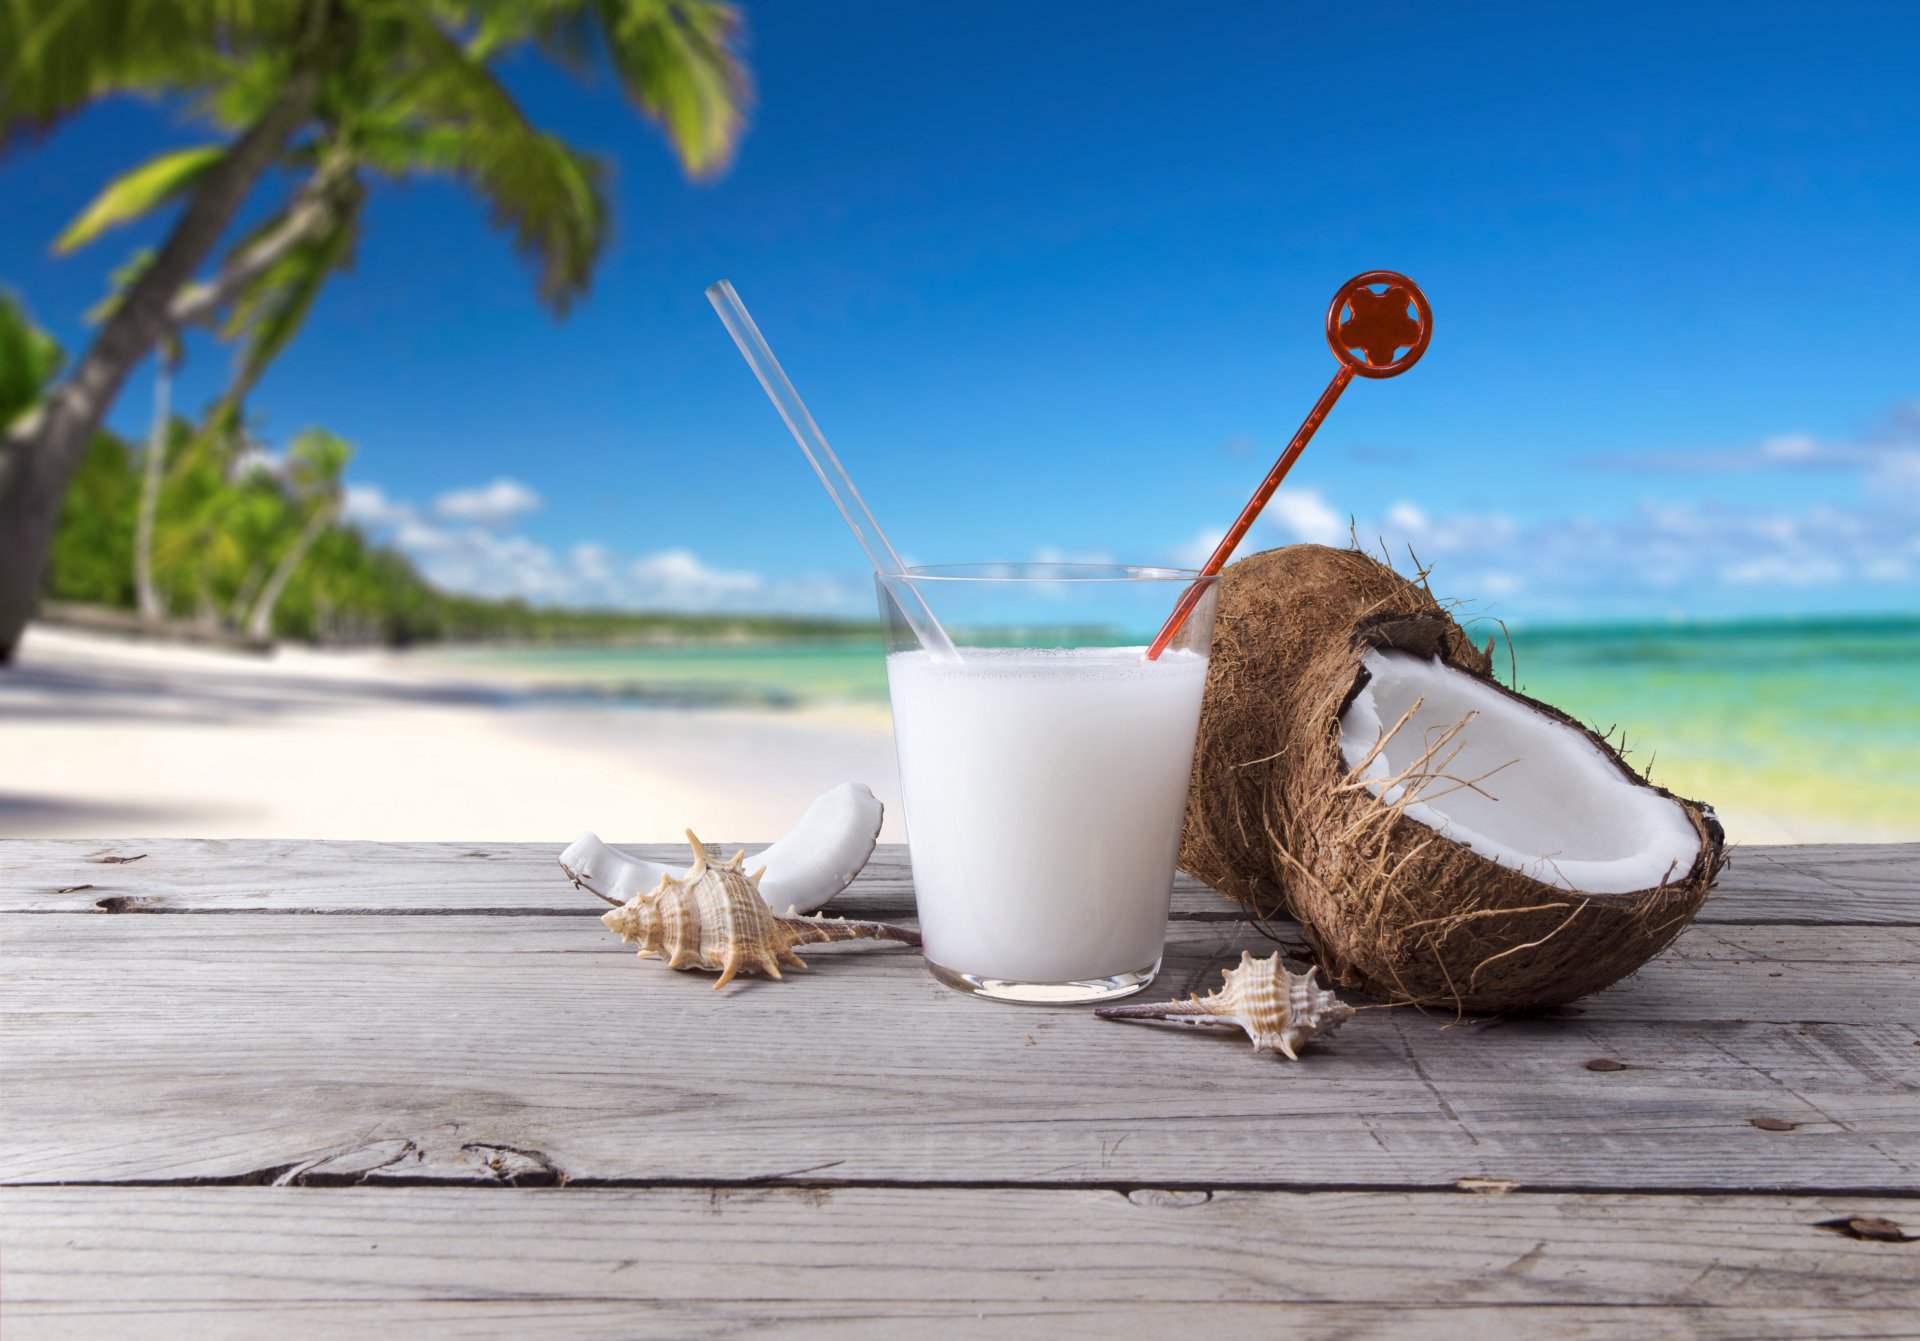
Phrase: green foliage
{"type": "Point", "coordinates": [58, 55]}
{"type": "Point", "coordinates": [92, 557]}
{"type": "Point", "coordinates": [675, 62]}
{"type": "Point", "coordinates": [315, 461]}
{"type": "Point", "coordinates": [29, 359]}
{"type": "Point", "coordinates": [222, 531]}
{"type": "Point", "coordinates": [406, 89]}
{"type": "Point", "coordinates": [271, 309]}
{"type": "Point", "coordinates": [135, 194]}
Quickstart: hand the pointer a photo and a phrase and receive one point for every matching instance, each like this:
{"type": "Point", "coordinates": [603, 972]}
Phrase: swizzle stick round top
{"type": "Point", "coordinates": [1368, 331]}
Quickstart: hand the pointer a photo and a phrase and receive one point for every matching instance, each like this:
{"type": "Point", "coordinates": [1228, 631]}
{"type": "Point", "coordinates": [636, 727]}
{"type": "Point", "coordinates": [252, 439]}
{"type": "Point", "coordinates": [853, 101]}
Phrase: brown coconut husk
{"type": "Point", "coordinates": [1389, 906]}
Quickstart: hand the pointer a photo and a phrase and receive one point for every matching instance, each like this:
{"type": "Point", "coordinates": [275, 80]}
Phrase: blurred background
{"type": "Point", "coordinates": [375, 467]}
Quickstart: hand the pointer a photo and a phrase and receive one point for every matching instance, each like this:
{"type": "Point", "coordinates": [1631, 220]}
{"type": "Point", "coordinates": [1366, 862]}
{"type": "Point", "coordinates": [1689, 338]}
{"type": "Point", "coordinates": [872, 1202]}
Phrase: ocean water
{"type": "Point", "coordinates": [1818, 722]}
{"type": "Point", "coordinates": [1794, 731]}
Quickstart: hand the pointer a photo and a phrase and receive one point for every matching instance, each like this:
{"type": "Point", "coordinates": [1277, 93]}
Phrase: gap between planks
{"type": "Point", "coordinates": [870, 1251]}
{"type": "Point", "coordinates": [1835, 885]}
{"type": "Point", "coordinates": [394, 1048]}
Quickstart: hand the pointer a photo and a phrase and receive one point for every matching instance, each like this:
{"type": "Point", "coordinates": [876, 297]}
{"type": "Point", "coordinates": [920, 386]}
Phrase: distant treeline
{"type": "Point", "coordinates": [214, 552]}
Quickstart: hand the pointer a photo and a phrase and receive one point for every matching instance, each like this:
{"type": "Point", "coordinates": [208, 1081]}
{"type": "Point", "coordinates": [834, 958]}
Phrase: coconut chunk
{"type": "Point", "coordinates": [817, 858]}
{"type": "Point", "coordinates": [1515, 785]}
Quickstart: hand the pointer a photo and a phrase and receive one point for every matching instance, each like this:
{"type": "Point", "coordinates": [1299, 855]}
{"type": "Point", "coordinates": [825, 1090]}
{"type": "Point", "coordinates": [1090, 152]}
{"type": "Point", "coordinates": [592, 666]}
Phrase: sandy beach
{"type": "Point", "coordinates": [102, 737]}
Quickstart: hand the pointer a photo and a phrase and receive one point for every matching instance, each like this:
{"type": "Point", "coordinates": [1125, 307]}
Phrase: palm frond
{"type": "Point", "coordinates": [270, 311]}
{"type": "Point", "coordinates": [460, 120]}
{"type": "Point", "coordinates": [137, 193]}
{"type": "Point", "coordinates": [29, 359]}
{"type": "Point", "coordinates": [57, 55]}
{"type": "Point", "coordinates": [679, 62]}
{"type": "Point", "coordinates": [316, 459]}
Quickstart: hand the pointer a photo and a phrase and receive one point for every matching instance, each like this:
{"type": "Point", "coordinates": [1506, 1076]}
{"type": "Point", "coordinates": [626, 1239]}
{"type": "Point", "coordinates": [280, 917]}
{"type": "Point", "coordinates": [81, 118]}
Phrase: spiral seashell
{"type": "Point", "coordinates": [713, 918]}
{"type": "Point", "coordinates": [1279, 1010]}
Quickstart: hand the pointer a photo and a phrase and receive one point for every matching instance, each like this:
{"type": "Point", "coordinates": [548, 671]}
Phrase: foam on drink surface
{"type": "Point", "coordinates": [1045, 790]}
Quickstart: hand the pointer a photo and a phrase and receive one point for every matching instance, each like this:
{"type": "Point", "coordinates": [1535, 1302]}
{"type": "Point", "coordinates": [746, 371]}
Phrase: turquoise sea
{"type": "Point", "coordinates": [1802, 729]}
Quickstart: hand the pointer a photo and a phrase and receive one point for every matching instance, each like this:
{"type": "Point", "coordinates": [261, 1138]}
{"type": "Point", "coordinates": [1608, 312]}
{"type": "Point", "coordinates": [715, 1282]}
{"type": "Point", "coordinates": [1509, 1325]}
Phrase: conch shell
{"type": "Point", "coordinates": [714, 918]}
{"type": "Point", "coordinates": [1279, 1010]}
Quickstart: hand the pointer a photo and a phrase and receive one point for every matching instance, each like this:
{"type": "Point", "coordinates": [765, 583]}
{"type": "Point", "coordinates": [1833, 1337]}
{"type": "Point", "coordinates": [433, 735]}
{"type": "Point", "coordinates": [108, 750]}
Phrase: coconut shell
{"type": "Point", "coordinates": [1389, 906]}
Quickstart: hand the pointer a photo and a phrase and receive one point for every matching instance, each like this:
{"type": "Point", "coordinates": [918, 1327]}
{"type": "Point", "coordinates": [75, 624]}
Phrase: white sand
{"type": "Point", "coordinates": [104, 738]}
{"type": "Point", "coordinates": [107, 738]}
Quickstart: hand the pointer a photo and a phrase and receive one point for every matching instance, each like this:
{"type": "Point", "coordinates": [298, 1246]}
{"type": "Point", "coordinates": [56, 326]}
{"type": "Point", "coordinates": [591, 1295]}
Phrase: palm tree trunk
{"type": "Point", "coordinates": [153, 471]}
{"type": "Point", "coordinates": [249, 588]}
{"type": "Point", "coordinates": [260, 622]}
{"type": "Point", "coordinates": [40, 453]}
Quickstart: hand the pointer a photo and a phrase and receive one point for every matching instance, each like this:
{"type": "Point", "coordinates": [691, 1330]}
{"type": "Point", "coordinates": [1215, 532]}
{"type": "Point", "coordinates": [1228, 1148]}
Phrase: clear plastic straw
{"type": "Point", "coordinates": [859, 518]}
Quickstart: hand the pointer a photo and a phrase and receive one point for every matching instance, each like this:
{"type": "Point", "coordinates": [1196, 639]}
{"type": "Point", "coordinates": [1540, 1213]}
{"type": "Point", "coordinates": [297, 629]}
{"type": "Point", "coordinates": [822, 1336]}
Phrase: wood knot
{"type": "Point", "coordinates": [124, 903]}
{"type": "Point", "coordinates": [515, 1166]}
{"type": "Point", "coordinates": [1868, 1228]}
{"type": "Point", "coordinates": [1167, 1198]}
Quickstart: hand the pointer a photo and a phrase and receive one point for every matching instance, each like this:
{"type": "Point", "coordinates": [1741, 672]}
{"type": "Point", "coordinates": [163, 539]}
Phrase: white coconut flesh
{"type": "Point", "coordinates": [1547, 801]}
{"type": "Point", "coordinates": [814, 861]}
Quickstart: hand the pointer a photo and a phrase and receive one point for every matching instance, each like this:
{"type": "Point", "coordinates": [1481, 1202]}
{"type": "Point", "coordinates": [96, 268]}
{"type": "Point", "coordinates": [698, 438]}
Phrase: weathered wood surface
{"type": "Point", "coordinates": [599, 1319]}
{"type": "Point", "coordinates": [198, 1262]}
{"type": "Point", "coordinates": [222, 1046]}
{"type": "Point", "coordinates": [1874, 885]}
{"type": "Point", "coordinates": [436, 1049]}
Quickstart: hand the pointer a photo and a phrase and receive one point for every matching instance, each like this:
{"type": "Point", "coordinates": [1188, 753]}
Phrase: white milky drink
{"type": "Point", "coordinates": [1044, 794]}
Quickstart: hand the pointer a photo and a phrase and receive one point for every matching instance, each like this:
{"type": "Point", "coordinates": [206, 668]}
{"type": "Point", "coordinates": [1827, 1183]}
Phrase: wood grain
{"type": "Point", "coordinates": [671, 1262]}
{"type": "Point", "coordinates": [832, 1320]}
{"type": "Point", "coordinates": [482, 1118]}
{"type": "Point", "coordinates": [317, 1047]}
{"type": "Point", "coordinates": [1832, 885]}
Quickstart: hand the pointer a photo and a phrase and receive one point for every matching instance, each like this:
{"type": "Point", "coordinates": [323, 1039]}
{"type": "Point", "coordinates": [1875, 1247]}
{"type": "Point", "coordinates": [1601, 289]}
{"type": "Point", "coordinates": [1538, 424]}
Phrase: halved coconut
{"type": "Point", "coordinates": [1441, 839]}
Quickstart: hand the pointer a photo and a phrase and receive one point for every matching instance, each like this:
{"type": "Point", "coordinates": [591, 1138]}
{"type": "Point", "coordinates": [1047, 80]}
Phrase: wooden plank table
{"type": "Point", "coordinates": [347, 1089]}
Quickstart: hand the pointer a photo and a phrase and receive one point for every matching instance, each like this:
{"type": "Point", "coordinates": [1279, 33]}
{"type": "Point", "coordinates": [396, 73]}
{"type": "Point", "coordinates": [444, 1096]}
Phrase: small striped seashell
{"type": "Point", "coordinates": [1279, 1010]}
{"type": "Point", "coordinates": [713, 918]}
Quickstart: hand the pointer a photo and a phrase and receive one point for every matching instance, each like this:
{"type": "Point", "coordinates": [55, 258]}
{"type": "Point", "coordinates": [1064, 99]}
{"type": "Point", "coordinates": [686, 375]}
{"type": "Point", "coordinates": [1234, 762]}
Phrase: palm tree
{"type": "Point", "coordinates": [171, 353]}
{"type": "Point", "coordinates": [341, 87]}
{"type": "Point", "coordinates": [264, 318]}
{"type": "Point", "coordinates": [315, 462]}
{"type": "Point", "coordinates": [152, 473]}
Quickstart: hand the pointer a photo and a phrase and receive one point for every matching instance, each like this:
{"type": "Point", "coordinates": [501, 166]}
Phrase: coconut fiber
{"type": "Point", "coordinates": [1389, 906]}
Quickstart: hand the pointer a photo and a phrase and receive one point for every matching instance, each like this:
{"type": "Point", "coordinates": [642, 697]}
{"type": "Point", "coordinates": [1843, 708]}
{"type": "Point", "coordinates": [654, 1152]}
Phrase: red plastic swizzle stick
{"type": "Point", "coordinates": [1378, 325]}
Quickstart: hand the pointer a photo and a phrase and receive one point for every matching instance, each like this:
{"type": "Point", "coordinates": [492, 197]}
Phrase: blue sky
{"type": "Point", "coordinates": [1052, 276]}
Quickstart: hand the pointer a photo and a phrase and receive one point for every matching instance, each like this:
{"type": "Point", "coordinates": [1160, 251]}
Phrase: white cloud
{"type": "Point", "coordinates": [480, 557]}
{"type": "Point", "coordinates": [1706, 555]}
{"type": "Point", "coordinates": [1894, 445]}
{"type": "Point", "coordinates": [1304, 514]}
{"type": "Point", "coordinates": [495, 504]}
{"type": "Point", "coordinates": [1784, 571]}
{"type": "Point", "coordinates": [677, 579]}
{"type": "Point", "coordinates": [255, 460]}
{"type": "Point", "coordinates": [1407, 517]}
{"type": "Point", "coordinates": [1686, 551]}
{"type": "Point", "coordinates": [1793, 447]}
{"type": "Point", "coordinates": [1701, 556]}
{"type": "Point", "coordinates": [1897, 473]}
{"type": "Point", "coordinates": [594, 562]}
{"type": "Point", "coordinates": [368, 505]}
{"type": "Point", "coordinates": [1195, 552]}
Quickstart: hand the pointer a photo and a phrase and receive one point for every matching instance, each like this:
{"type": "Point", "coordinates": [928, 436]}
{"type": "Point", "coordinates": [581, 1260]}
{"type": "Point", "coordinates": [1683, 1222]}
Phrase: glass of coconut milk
{"type": "Point", "coordinates": [1045, 773]}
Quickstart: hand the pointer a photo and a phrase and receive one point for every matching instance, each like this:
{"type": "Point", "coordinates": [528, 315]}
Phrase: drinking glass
{"type": "Point", "coordinates": [1045, 774]}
